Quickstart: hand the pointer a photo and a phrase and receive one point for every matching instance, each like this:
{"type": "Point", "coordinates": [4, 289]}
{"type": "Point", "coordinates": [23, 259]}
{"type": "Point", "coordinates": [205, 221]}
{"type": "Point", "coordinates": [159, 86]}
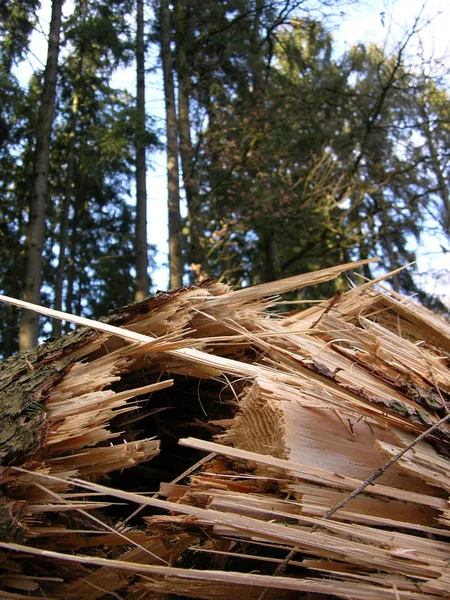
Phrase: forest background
{"type": "Point", "coordinates": [287, 149]}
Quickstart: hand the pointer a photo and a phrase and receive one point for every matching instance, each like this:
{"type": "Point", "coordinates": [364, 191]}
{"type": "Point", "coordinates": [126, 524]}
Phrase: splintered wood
{"type": "Point", "coordinates": [199, 445]}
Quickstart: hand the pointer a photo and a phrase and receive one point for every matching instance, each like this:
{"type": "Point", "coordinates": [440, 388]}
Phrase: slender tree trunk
{"type": "Point", "coordinates": [29, 325]}
{"type": "Point", "coordinates": [142, 278]}
{"type": "Point", "coordinates": [272, 264]}
{"type": "Point", "coordinates": [13, 282]}
{"type": "Point", "coordinates": [436, 167]}
{"type": "Point", "coordinates": [70, 283]}
{"type": "Point", "coordinates": [256, 62]}
{"type": "Point", "coordinates": [64, 220]}
{"type": "Point", "coordinates": [196, 249]}
{"type": "Point", "coordinates": [73, 267]}
{"type": "Point", "coordinates": [175, 240]}
{"type": "Point", "coordinates": [78, 99]}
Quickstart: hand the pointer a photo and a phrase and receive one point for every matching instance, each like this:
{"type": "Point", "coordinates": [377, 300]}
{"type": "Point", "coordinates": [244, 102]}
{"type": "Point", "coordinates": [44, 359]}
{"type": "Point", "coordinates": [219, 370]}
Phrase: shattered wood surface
{"type": "Point", "coordinates": [189, 463]}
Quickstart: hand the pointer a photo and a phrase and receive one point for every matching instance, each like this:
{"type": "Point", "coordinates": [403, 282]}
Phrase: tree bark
{"type": "Point", "coordinates": [142, 278]}
{"type": "Point", "coordinates": [175, 240]}
{"type": "Point", "coordinates": [29, 326]}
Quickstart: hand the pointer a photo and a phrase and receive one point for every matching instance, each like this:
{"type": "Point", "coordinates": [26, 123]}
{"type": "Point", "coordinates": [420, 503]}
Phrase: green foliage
{"type": "Point", "coordinates": [269, 175]}
{"type": "Point", "coordinates": [17, 20]}
{"type": "Point", "coordinates": [94, 139]}
{"type": "Point", "coordinates": [306, 158]}
{"type": "Point", "coordinates": [16, 143]}
{"type": "Point", "coordinates": [92, 168]}
{"type": "Point", "coordinates": [300, 158]}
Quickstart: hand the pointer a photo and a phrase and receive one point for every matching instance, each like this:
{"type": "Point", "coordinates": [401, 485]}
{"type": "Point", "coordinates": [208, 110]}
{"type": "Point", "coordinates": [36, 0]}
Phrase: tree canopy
{"type": "Point", "coordinates": [288, 154]}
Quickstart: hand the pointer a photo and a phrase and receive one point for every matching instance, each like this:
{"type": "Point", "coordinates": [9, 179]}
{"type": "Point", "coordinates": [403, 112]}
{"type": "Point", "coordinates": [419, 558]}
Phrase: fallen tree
{"type": "Point", "coordinates": [198, 445]}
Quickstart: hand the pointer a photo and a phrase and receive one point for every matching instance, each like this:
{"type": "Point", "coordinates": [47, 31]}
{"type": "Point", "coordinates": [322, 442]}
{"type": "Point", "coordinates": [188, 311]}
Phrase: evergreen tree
{"type": "Point", "coordinates": [175, 240]}
{"type": "Point", "coordinates": [96, 136]}
{"type": "Point", "coordinates": [29, 324]}
{"type": "Point", "coordinates": [292, 158]}
{"type": "Point", "coordinates": [184, 19]}
{"type": "Point", "coordinates": [301, 157]}
{"type": "Point", "coordinates": [432, 103]}
{"type": "Point", "coordinates": [261, 157]}
{"type": "Point", "coordinates": [89, 248]}
{"type": "Point", "coordinates": [16, 124]}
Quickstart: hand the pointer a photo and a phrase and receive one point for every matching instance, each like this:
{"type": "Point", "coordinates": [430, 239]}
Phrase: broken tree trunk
{"type": "Point", "coordinates": [107, 490]}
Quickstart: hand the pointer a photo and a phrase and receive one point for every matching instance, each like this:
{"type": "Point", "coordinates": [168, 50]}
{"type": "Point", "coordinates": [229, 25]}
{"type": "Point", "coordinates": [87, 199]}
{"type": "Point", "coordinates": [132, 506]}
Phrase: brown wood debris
{"type": "Point", "coordinates": [191, 460]}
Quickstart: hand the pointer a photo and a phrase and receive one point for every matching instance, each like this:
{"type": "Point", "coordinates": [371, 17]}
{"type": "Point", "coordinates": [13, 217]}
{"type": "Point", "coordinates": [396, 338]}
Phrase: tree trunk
{"type": "Point", "coordinates": [73, 253]}
{"type": "Point", "coordinates": [142, 278]}
{"type": "Point", "coordinates": [78, 100]}
{"type": "Point", "coordinates": [196, 250]}
{"type": "Point", "coordinates": [272, 265]}
{"type": "Point", "coordinates": [29, 326]}
{"type": "Point", "coordinates": [175, 243]}
{"type": "Point", "coordinates": [64, 220]}
{"type": "Point", "coordinates": [436, 167]}
{"type": "Point", "coordinates": [256, 61]}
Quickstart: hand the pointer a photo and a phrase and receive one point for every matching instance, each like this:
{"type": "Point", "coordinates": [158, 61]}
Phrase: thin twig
{"type": "Point", "coordinates": [369, 481]}
{"type": "Point", "coordinates": [376, 474]}
{"type": "Point", "coordinates": [334, 300]}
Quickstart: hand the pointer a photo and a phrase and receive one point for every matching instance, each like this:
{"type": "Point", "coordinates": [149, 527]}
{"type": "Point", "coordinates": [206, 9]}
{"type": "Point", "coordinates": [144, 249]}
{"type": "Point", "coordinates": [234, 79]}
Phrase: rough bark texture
{"type": "Point", "coordinates": [142, 278]}
{"type": "Point", "coordinates": [29, 326]}
{"type": "Point", "coordinates": [24, 383]}
{"type": "Point", "coordinates": [175, 239]}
